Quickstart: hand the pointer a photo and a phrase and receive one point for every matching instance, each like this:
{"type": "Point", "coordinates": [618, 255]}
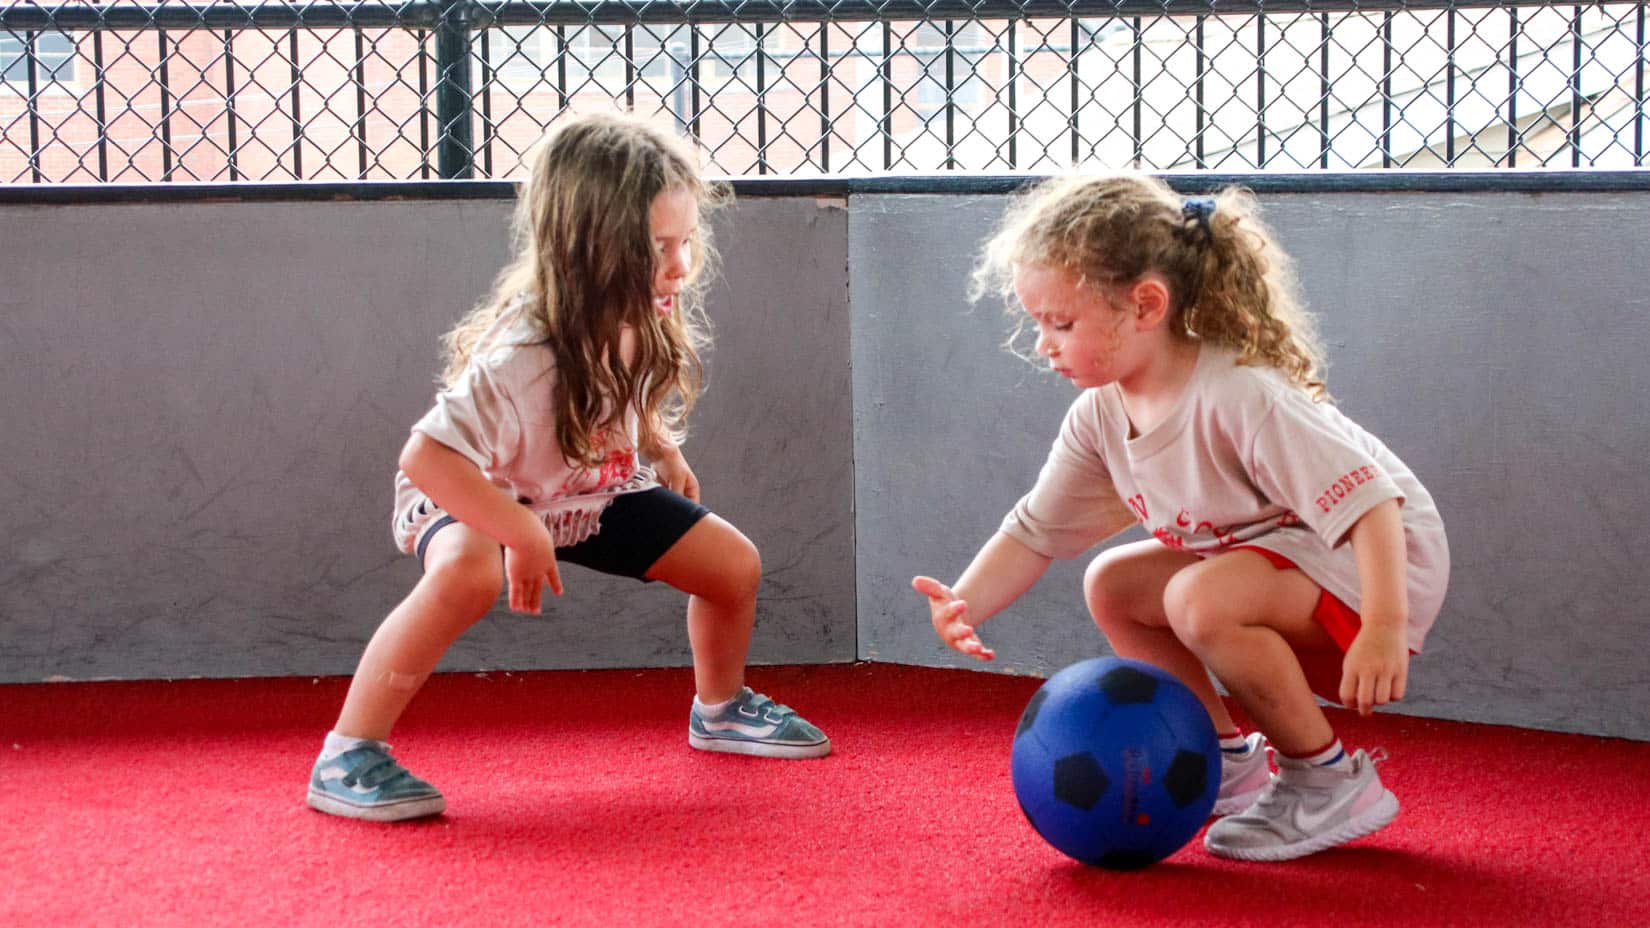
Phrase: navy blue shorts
{"type": "Point", "coordinates": [636, 530]}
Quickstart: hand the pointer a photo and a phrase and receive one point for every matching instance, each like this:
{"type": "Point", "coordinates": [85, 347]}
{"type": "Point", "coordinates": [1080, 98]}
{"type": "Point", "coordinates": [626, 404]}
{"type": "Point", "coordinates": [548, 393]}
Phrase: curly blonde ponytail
{"type": "Point", "coordinates": [1230, 282]}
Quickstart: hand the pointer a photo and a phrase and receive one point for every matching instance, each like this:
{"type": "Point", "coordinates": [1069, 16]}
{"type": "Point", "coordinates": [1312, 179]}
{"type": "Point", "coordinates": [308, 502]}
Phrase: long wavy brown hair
{"type": "Point", "coordinates": [584, 265]}
{"type": "Point", "coordinates": [1229, 281]}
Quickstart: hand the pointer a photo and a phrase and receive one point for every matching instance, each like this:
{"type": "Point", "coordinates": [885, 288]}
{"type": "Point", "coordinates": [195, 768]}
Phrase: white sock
{"type": "Point", "coordinates": [1236, 744]}
{"type": "Point", "coordinates": [712, 709]}
{"type": "Point", "coordinates": [337, 744]}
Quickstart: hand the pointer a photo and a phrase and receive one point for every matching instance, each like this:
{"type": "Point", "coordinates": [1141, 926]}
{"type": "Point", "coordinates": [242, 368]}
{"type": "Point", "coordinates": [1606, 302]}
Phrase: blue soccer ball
{"type": "Point", "coordinates": [1116, 763]}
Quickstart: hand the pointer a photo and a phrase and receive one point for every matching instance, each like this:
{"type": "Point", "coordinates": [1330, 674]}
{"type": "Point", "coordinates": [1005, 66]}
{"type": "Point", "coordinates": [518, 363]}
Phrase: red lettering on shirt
{"type": "Point", "coordinates": [1137, 502]}
{"type": "Point", "coordinates": [1169, 538]}
{"type": "Point", "coordinates": [1343, 487]}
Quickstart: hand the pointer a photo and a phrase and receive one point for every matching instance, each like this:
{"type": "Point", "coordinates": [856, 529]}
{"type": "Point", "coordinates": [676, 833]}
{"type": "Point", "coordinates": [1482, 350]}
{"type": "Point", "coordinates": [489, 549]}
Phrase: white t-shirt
{"type": "Point", "coordinates": [499, 415]}
{"type": "Point", "coordinates": [1245, 457]}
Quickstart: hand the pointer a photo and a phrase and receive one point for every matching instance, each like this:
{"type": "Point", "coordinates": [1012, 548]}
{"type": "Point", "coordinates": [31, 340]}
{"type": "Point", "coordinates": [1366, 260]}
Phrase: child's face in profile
{"type": "Point", "coordinates": [1080, 333]}
{"type": "Point", "coordinates": [673, 221]}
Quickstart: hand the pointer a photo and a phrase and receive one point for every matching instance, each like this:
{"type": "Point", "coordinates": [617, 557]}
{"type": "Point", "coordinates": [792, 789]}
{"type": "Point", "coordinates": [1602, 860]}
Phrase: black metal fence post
{"type": "Point", "coordinates": [455, 139]}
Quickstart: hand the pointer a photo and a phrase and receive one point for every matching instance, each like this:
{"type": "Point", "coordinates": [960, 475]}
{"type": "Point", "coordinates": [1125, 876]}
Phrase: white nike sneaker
{"type": "Point", "coordinates": [754, 724]}
{"type": "Point", "coordinates": [1243, 776]}
{"type": "Point", "coordinates": [1304, 810]}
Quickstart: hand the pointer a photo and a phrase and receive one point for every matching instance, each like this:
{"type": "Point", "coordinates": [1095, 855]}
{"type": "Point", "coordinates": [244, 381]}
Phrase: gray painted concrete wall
{"type": "Point", "coordinates": [204, 403]}
{"type": "Point", "coordinates": [1496, 342]}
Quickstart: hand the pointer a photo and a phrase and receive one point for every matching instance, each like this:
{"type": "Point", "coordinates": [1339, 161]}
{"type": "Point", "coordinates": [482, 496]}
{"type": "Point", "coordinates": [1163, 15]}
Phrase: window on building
{"type": "Point", "coordinates": [602, 50]}
{"type": "Point", "coordinates": [730, 50]}
{"type": "Point", "coordinates": [969, 43]}
{"type": "Point", "coordinates": [522, 55]}
{"type": "Point", "coordinates": [53, 53]}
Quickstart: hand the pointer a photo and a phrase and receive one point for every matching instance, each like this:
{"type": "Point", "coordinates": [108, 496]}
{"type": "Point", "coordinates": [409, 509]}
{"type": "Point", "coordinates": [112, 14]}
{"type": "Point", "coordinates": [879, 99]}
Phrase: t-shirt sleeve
{"type": "Point", "coordinates": [1074, 505]}
{"type": "Point", "coordinates": [1308, 457]}
{"type": "Point", "coordinates": [477, 416]}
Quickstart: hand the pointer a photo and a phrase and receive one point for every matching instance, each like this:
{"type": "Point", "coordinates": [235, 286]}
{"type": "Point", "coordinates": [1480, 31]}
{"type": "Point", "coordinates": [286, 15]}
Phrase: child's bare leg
{"type": "Point", "coordinates": [463, 575]}
{"type": "Point", "coordinates": [1124, 591]}
{"type": "Point", "coordinates": [720, 570]}
{"type": "Point", "coordinates": [1245, 619]}
{"type": "Point", "coordinates": [1250, 622]}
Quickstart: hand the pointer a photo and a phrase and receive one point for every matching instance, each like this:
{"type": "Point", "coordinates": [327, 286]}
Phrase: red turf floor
{"type": "Point", "coordinates": [574, 799]}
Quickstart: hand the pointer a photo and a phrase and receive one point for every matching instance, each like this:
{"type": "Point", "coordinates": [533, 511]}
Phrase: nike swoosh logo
{"type": "Point", "coordinates": [1311, 821]}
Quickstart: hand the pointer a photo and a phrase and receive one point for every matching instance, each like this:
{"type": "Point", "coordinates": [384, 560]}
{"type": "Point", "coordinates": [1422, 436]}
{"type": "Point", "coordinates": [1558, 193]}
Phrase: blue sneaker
{"type": "Point", "coordinates": [367, 783]}
{"type": "Point", "coordinates": [754, 724]}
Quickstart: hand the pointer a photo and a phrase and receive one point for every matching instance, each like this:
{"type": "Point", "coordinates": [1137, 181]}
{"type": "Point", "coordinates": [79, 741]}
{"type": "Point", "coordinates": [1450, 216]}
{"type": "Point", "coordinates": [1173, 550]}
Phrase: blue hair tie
{"type": "Point", "coordinates": [1201, 209]}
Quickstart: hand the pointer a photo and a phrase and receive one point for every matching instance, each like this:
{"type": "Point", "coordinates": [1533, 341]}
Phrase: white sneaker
{"type": "Point", "coordinates": [1304, 810]}
{"type": "Point", "coordinates": [1243, 776]}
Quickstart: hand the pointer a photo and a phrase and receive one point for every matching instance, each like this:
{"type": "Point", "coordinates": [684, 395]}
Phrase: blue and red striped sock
{"type": "Point", "coordinates": [1333, 755]}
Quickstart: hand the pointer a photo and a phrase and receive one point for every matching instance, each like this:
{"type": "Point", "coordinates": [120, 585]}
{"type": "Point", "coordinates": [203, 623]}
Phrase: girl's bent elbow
{"type": "Point", "coordinates": [415, 454]}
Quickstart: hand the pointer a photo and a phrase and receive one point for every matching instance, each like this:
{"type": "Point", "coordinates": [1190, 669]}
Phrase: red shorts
{"type": "Point", "coordinates": [1336, 617]}
{"type": "Point", "coordinates": [1322, 668]}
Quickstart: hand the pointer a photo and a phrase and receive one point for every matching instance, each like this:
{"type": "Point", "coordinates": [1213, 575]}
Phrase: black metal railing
{"type": "Point", "coordinates": [177, 90]}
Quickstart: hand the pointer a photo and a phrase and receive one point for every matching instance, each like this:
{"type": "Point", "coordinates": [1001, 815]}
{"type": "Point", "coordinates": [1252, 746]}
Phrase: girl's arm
{"type": "Point", "coordinates": [455, 484]}
{"type": "Point", "coordinates": [1376, 669]}
{"type": "Point", "coordinates": [1002, 571]}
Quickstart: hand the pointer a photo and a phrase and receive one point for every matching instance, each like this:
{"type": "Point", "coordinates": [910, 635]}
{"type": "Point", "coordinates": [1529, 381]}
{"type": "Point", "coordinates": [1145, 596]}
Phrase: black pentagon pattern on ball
{"type": "Point", "coordinates": [1079, 781]}
{"type": "Point", "coordinates": [1187, 777]}
{"type": "Point", "coordinates": [1028, 718]}
{"type": "Point", "coordinates": [1127, 859]}
{"type": "Point", "coordinates": [1126, 686]}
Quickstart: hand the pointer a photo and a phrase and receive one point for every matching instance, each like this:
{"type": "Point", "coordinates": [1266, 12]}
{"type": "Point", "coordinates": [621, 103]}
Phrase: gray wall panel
{"type": "Point", "coordinates": [1495, 341]}
{"type": "Point", "coordinates": [205, 402]}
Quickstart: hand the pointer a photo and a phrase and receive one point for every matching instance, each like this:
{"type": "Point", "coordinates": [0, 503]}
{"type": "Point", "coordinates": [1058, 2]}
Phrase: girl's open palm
{"type": "Point", "coordinates": [947, 612]}
{"type": "Point", "coordinates": [527, 568]}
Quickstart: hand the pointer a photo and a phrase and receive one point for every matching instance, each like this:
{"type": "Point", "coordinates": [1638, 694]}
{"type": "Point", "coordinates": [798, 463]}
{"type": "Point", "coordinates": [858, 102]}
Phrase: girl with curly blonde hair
{"type": "Point", "coordinates": [1292, 554]}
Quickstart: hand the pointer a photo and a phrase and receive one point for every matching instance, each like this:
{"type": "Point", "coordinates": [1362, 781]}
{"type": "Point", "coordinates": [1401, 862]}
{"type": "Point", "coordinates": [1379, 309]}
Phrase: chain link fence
{"type": "Point", "coordinates": [179, 90]}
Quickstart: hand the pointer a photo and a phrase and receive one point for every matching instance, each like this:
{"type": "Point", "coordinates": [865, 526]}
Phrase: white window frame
{"type": "Point", "coordinates": [59, 66]}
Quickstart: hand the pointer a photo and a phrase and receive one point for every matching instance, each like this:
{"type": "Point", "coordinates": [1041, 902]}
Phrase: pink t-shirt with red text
{"type": "Point", "coordinates": [1245, 457]}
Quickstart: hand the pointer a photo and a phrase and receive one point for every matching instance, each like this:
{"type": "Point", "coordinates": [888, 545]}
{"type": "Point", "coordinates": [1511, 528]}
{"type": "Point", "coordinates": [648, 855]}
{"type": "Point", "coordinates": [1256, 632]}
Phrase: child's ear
{"type": "Point", "coordinates": [1151, 302]}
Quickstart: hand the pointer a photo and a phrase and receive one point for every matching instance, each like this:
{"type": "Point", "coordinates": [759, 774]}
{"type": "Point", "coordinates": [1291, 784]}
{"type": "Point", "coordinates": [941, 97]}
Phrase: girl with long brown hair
{"type": "Point", "coordinates": [583, 362]}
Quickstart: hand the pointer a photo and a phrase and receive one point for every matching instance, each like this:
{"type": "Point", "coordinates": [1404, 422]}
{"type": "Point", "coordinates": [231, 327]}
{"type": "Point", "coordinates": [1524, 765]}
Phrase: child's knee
{"type": "Point", "coordinates": [469, 586]}
{"type": "Point", "coordinates": [743, 576]}
{"type": "Point", "coordinates": [1197, 613]}
{"type": "Point", "coordinates": [1116, 593]}
{"type": "Point", "coordinates": [731, 575]}
{"type": "Point", "coordinates": [1104, 588]}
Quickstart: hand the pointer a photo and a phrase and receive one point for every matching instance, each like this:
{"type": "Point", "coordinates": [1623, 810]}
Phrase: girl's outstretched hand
{"type": "Point", "coordinates": [527, 568]}
{"type": "Point", "coordinates": [1376, 669]}
{"type": "Point", "coordinates": [948, 613]}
